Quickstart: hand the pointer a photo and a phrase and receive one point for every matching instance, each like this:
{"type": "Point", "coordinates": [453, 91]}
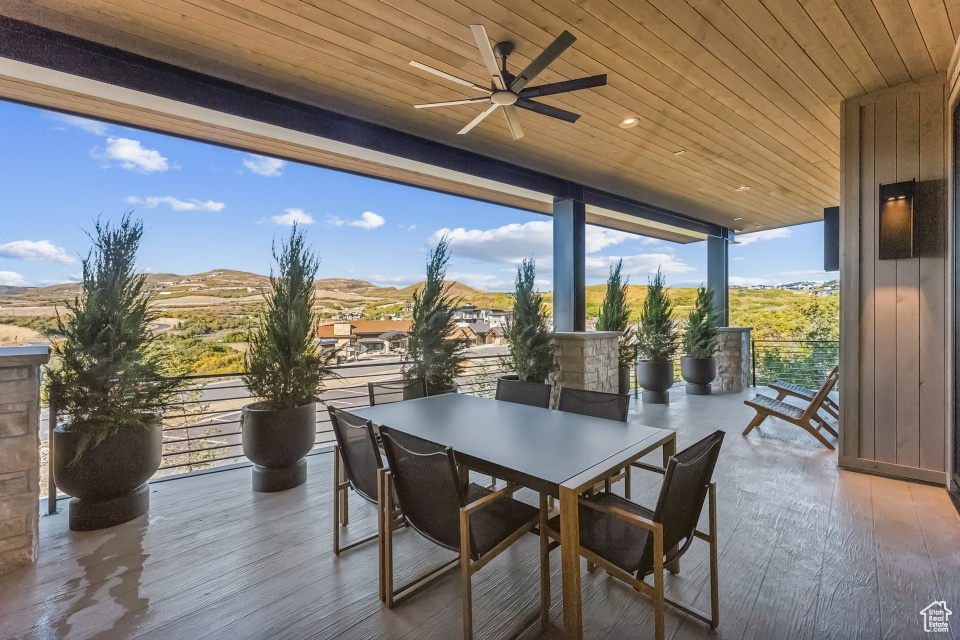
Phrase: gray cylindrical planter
{"type": "Point", "coordinates": [655, 378]}
{"type": "Point", "coordinates": [276, 442]}
{"type": "Point", "coordinates": [109, 482]}
{"type": "Point", "coordinates": [698, 374]}
{"type": "Point", "coordinates": [624, 382]}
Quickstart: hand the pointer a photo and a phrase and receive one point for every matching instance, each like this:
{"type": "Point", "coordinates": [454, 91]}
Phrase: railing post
{"type": "Point", "coordinates": [753, 365]}
{"type": "Point", "coordinates": [51, 482]}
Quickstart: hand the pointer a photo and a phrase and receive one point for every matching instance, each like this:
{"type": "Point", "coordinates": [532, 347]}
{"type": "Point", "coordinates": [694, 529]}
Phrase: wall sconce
{"type": "Point", "coordinates": [898, 235]}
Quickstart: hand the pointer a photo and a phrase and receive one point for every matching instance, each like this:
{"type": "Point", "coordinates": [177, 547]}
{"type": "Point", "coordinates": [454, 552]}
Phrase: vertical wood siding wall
{"type": "Point", "coordinates": [893, 312]}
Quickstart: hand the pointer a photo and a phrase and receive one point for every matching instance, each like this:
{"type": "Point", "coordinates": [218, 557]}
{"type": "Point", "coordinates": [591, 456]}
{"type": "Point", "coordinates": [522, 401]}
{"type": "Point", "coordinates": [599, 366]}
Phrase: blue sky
{"type": "Point", "coordinates": [207, 208]}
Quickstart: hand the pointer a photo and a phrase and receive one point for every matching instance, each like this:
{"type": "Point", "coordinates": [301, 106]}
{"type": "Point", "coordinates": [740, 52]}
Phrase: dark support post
{"type": "Point", "coordinates": [718, 277]}
{"type": "Point", "coordinates": [569, 264]}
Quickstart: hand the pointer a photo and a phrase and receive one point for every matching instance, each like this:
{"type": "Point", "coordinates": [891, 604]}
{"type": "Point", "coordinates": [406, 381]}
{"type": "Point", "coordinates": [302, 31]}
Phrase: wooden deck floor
{"type": "Point", "coordinates": [806, 551]}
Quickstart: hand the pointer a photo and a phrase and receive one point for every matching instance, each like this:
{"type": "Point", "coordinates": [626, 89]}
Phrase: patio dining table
{"type": "Point", "coordinates": [555, 453]}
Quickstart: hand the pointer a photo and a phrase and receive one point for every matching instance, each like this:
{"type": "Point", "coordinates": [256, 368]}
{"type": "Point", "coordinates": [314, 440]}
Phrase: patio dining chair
{"type": "Point", "coordinates": [631, 542]}
{"type": "Point", "coordinates": [599, 404]}
{"type": "Point", "coordinates": [475, 522]}
{"type": "Point", "coordinates": [356, 463]}
{"type": "Point", "coordinates": [785, 389]}
{"type": "Point", "coordinates": [808, 418]}
{"type": "Point", "coordinates": [534, 394]}
{"type": "Point", "coordinates": [396, 390]}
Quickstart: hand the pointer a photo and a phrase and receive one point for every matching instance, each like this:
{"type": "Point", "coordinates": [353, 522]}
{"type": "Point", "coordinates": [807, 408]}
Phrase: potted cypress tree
{"type": "Point", "coordinates": [656, 343]}
{"type": "Point", "coordinates": [108, 384]}
{"type": "Point", "coordinates": [614, 316]}
{"type": "Point", "coordinates": [434, 357]}
{"type": "Point", "coordinates": [285, 371]}
{"type": "Point", "coordinates": [699, 366]}
{"type": "Point", "coordinates": [531, 346]}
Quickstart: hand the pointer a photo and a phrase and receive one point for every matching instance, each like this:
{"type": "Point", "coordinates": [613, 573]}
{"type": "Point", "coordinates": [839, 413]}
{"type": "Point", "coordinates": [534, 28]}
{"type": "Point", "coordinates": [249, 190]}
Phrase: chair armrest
{"type": "Point", "coordinates": [648, 467]}
{"type": "Point", "coordinates": [489, 499]}
{"type": "Point", "coordinates": [655, 527]}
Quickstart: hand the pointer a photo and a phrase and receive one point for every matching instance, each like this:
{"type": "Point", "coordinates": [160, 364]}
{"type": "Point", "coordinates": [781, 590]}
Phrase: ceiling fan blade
{"type": "Point", "coordinates": [542, 61]}
{"type": "Point", "coordinates": [486, 52]}
{"type": "Point", "coordinates": [478, 119]}
{"type": "Point", "coordinates": [443, 74]}
{"type": "Point", "coordinates": [547, 110]}
{"type": "Point", "coordinates": [451, 103]}
{"type": "Point", "coordinates": [564, 87]}
{"type": "Point", "coordinates": [513, 121]}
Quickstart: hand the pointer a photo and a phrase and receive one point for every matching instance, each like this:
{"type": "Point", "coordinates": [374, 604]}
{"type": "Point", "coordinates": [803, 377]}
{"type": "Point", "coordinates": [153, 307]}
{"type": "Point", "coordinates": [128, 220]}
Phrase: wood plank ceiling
{"type": "Point", "coordinates": [729, 94]}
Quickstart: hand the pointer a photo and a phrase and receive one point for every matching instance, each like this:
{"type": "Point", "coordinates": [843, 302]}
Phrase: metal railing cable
{"type": "Point", "coordinates": [803, 362]}
{"type": "Point", "coordinates": [201, 426]}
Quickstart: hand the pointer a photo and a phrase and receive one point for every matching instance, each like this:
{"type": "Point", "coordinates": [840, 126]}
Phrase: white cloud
{"type": "Point", "coordinates": [12, 279]}
{"type": "Point", "coordinates": [31, 250]}
{"type": "Point", "coordinates": [739, 258]}
{"type": "Point", "coordinates": [396, 280]}
{"type": "Point", "coordinates": [264, 166]}
{"type": "Point", "coordinates": [409, 228]}
{"type": "Point", "coordinates": [485, 281]}
{"type": "Point", "coordinates": [369, 220]}
{"type": "Point", "coordinates": [513, 242]}
{"type": "Point", "coordinates": [292, 217]}
{"type": "Point", "coordinates": [90, 126]}
{"type": "Point", "coordinates": [769, 234]}
{"type": "Point", "coordinates": [153, 202]}
{"type": "Point", "coordinates": [131, 155]}
{"type": "Point", "coordinates": [644, 263]}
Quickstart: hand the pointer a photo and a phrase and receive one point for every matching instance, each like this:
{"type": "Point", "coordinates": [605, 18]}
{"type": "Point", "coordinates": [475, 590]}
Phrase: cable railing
{"type": "Point", "coordinates": [201, 425]}
{"type": "Point", "coordinates": [803, 362]}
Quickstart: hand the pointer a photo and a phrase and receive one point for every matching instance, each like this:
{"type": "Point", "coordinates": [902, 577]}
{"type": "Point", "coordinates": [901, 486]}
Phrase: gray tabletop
{"type": "Point", "coordinates": [541, 448]}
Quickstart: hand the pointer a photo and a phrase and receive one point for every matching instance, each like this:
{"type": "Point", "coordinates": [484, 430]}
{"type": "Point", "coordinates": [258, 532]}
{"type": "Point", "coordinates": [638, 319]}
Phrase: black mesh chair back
{"type": "Point", "coordinates": [359, 452]}
{"type": "Point", "coordinates": [534, 394]}
{"type": "Point", "coordinates": [684, 489]}
{"type": "Point", "coordinates": [427, 486]}
{"type": "Point", "coordinates": [598, 404]}
{"type": "Point", "coordinates": [396, 390]}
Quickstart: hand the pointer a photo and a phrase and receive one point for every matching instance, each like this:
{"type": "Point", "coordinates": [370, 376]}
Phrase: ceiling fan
{"type": "Point", "coordinates": [508, 91]}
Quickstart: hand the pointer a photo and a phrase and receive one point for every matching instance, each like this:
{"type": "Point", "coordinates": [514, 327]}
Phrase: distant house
{"type": "Point", "coordinates": [471, 314]}
{"type": "Point", "coordinates": [475, 334]}
{"type": "Point", "coordinates": [367, 336]}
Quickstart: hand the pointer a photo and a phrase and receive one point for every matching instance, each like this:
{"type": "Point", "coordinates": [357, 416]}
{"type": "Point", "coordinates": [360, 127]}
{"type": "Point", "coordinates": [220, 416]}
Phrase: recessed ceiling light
{"type": "Point", "coordinates": [632, 121]}
{"type": "Point", "coordinates": [758, 225]}
{"type": "Point", "coordinates": [679, 153]}
{"type": "Point", "coordinates": [738, 218]}
{"type": "Point", "coordinates": [742, 187]}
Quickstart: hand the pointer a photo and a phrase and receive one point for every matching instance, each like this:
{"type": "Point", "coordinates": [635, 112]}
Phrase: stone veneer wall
{"type": "Point", "coordinates": [733, 360]}
{"type": "Point", "coordinates": [20, 454]}
{"type": "Point", "coordinates": [586, 360]}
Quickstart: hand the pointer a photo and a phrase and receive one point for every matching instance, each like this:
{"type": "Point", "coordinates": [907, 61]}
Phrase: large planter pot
{"type": "Point", "coordinates": [698, 374]}
{"type": "Point", "coordinates": [655, 378]}
{"type": "Point", "coordinates": [108, 484]}
{"type": "Point", "coordinates": [624, 382]}
{"type": "Point", "coordinates": [276, 441]}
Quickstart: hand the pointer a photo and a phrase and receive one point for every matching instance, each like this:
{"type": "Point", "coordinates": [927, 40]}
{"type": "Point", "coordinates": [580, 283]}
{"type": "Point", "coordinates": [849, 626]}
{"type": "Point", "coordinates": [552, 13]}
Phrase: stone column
{"type": "Point", "coordinates": [20, 454]}
{"type": "Point", "coordinates": [586, 360]}
{"type": "Point", "coordinates": [733, 359]}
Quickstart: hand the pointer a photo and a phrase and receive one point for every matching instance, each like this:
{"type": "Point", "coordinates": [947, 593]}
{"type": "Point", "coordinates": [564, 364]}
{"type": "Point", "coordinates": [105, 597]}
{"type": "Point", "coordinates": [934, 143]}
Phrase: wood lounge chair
{"type": "Point", "coordinates": [808, 419]}
{"type": "Point", "coordinates": [785, 389]}
{"type": "Point", "coordinates": [631, 542]}
{"type": "Point", "coordinates": [471, 520]}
